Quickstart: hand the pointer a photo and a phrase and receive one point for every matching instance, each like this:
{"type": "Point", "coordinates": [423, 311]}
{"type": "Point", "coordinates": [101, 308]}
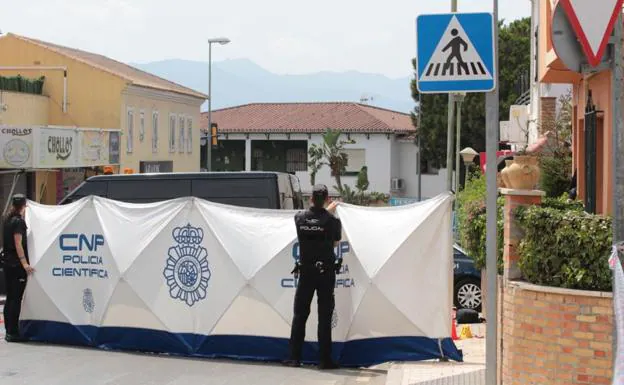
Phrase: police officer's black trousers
{"type": "Point", "coordinates": [311, 280]}
{"type": "Point", "coordinates": [15, 279]}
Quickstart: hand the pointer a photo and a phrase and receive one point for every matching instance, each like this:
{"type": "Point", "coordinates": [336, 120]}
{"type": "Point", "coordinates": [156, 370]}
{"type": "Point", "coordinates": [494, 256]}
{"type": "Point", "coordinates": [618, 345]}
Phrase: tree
{"type": "Point", "coordinates": [514, 63]}
{"type": "Point", "coordinates": [329, 153]}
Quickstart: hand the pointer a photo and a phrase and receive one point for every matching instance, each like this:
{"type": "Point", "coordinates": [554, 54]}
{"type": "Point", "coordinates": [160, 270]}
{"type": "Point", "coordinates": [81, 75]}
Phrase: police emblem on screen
{"type": "Point", "coordinates": [187, 273]}
{"type": "Point", "coordinates": [87, 301]}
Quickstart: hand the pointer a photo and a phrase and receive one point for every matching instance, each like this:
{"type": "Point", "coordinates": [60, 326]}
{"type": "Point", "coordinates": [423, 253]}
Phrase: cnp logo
{"type": "Point", "coordinates": [80, 242]}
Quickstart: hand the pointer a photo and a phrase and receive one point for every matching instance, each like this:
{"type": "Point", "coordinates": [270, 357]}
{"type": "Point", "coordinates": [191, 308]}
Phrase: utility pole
{"type": "Point", "coordinates": [492, 126]}
{"type": "Point", "coordinates": [459, 99]}
{"type": "Point", "coordinates": [209, 134]}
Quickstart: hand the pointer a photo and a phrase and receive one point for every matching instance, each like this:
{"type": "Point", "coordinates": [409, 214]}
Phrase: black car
{"type": "Point", "coordinates": [467, 281]}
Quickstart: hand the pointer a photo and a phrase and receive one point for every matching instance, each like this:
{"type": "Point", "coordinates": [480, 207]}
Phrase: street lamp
{"type": "Point", "coordinates": [222, 41]}
{"type": "Point", "coordinates": [468, 154]}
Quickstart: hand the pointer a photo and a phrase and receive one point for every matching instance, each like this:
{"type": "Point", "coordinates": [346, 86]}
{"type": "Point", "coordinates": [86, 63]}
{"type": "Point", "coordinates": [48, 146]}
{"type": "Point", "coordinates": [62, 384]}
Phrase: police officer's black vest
{"type": "Point", "coordinates": [314, 229]}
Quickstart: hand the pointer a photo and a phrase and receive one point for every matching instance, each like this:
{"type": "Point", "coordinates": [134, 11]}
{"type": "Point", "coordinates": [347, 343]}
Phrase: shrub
{"type": "Point", "coordinates": [555, 177]}
{"type": "Point", "coordinates": [470, 209]}
{"type": "Point", "coordinates": [565, 246]}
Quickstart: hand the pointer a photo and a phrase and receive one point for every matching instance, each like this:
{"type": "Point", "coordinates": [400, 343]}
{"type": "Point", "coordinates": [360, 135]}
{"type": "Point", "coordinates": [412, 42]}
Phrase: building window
{"type": "Point", "coordinates": [182, 141]}
{"type": "Point", "coordinates": [296, 160]}
{"type": "Point", "coordinates": [189, 138]}
{"type": "Point", "coordinates": [356, 160]}
{"type": "Point", "coordinates": [257, 160]}
{"type": "Point", "coordinates": [130, 130]}
{"type": "Point", "coordinates": [172, 132]}
{"type": "Point", "coordinates": [154, 131]}
{"type": "Point", "coordinates": [141, 126]}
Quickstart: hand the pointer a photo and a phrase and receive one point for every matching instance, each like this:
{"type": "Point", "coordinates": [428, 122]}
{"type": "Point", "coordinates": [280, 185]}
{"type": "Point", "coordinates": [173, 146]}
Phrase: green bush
{"type": "Point", "coordinates": [555, 177]}
{"type": "Point", "coordinates": [565, 246]}
{"type": "Point", "coordinates": [472, 216]}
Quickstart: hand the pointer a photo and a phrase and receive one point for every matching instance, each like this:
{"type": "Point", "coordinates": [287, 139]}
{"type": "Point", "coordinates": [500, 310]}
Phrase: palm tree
{"type": "Point", "coordinates": [329, 153]}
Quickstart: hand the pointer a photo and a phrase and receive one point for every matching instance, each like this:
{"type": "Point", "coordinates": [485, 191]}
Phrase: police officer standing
{"type": "Point", "coordinates": [318, 232]}
{"type": "Point", "coordinates": [16, 266]}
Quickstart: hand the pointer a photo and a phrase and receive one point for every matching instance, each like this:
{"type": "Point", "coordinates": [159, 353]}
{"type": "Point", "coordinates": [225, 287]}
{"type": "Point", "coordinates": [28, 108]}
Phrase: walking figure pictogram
{"type": "Point", "coordinates": [455, 46]}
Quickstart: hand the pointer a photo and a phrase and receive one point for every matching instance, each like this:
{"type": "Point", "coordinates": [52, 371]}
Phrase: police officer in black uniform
{"type": "Point", "coordinates": [16, 266]}
{"type": "Point", "coordinates": [318, 232]}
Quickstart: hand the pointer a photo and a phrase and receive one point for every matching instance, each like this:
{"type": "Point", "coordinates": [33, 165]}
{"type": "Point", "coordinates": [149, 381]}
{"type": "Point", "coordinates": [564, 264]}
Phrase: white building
{"type": "Point", "coordinates": [277, 137]}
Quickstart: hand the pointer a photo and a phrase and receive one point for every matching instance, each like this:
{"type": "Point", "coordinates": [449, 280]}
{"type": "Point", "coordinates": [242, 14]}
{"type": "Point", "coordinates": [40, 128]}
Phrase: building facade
{"type": "Point", "coordinates": [278, 136]}
{"type": "Point", "coordinates": [159, 120]}
{"type": "Point", "coordinates": [591, 109]}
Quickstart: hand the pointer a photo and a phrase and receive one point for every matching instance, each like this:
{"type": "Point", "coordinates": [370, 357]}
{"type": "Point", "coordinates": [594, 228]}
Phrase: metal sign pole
{"type": "Point", "coordinates": [491, 122]}
{"type": "Point", "coordinates": [618, 137]}
{"type": "Point", "coordinates": [449, 132]}
{"type": "Point", "coordinates": [617, 75]}
{"type": "Point", "coordinates": [419, 156]}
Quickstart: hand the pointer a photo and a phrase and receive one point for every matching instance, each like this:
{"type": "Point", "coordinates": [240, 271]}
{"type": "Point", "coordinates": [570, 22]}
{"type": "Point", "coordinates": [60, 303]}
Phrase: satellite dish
{"type": "Point", "coordinates": [565, 42]}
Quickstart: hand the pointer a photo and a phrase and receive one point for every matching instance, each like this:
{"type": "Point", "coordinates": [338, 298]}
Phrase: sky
{"type": "Point", "coordinates": [283, 36]}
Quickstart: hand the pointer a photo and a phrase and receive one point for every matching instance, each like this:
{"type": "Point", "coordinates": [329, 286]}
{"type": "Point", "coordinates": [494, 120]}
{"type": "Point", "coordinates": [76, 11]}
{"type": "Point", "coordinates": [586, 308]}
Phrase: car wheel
{"type": "Point", "coordinates": [468, 294]}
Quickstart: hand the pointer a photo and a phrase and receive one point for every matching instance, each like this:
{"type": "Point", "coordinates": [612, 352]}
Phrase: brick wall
{"type": "Point", "coordinates": [548, 114]}
{"type": "Point", "coordinates": [556, 336]}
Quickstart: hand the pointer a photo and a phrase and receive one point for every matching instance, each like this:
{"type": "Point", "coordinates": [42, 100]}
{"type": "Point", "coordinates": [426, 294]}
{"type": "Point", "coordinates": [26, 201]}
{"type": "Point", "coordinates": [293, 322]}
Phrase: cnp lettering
{"type": "Point", "coordinates": [80, 242]}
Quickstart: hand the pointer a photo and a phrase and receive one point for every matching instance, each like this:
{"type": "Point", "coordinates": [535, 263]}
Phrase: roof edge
{"type": "Point", "coordinates": [361, 105]}
{"type": "Point", "coordinates": [40, 43]}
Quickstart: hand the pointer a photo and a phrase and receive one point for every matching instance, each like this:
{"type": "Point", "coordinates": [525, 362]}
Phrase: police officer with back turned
{"type": "Point", "coordinates": [318, 232]}
{"type": "Point", "coordinates": [16, 266]}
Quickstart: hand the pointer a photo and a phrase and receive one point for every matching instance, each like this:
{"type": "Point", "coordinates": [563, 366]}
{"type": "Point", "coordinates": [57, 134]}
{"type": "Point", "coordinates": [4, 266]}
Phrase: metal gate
{"type": "Point", "coordinates": [590, 154]}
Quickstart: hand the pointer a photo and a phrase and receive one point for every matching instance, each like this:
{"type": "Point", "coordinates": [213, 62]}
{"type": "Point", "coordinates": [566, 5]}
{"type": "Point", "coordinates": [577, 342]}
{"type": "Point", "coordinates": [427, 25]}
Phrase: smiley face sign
{"type": "Point", "coordinates": [16, 152]}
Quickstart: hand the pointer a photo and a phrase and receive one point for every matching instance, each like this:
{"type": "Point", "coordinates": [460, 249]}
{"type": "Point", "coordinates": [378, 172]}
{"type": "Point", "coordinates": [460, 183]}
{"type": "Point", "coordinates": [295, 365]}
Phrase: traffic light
{"type": "Point", "coordinates": [214, 134]}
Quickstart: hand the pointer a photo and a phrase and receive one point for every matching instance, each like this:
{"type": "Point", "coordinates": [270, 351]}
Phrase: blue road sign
{"type": "Point", "coordinates": [455, 53]}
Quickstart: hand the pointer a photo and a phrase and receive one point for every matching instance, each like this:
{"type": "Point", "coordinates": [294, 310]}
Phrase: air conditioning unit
{"type": "Point", "coordinates": [397, 184]}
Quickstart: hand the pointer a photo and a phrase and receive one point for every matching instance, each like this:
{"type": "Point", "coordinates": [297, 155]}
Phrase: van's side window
{"type": "Point", "coordinates": [135, 191]}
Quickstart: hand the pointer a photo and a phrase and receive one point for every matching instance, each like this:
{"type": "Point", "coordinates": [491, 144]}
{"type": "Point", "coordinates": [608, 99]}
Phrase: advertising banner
{"type": "Point", "coordinates": [57, 147]}
{"type": "Point", "coordinates": [196, 278]}
{"type": "Point", "coordinates": [16, 144]}
{"type": "Point", "coordinates": [94, 147]}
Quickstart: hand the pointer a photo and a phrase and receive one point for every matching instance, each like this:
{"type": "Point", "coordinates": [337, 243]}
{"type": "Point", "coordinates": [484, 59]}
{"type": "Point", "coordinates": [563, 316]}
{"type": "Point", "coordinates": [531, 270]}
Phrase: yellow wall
{"type": "Point", "coordinates": [93, 95]}
{"type": "Point", "coordinates": [23, 109]}
{"type": "Point", "coordinates": [99, 99]}
{"type": "Point", "coordinates": [45, 187]}
{"type": "Point", "coordinates": [139, 99]}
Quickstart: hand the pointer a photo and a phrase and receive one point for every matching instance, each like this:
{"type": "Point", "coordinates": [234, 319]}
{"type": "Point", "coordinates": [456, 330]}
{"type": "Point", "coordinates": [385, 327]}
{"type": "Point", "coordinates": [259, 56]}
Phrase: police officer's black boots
{"type": "Point", "coordinates": [328, 364]}
{"type": "Point", "coordinates": [292, 363]}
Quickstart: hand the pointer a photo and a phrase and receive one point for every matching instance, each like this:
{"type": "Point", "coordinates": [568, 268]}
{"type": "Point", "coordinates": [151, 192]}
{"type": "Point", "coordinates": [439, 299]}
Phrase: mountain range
{"type": "Point", "coordinates": [241, 81]}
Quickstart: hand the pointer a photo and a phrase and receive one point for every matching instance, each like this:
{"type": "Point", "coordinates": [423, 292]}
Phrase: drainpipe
{"type": "Point", "coordinates": [44, 68]}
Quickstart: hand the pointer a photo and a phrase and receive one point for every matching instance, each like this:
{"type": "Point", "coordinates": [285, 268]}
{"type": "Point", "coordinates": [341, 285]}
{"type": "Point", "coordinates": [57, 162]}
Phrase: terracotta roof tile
{"type": "Point", "coordinates": [129, 73]}
{"type": "Point", "coordinates": [309, 118]}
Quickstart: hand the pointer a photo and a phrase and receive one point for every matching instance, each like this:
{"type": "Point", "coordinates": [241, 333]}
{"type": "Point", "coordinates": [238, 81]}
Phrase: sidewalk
{"type": "Point", "coordinates": [471, 371]}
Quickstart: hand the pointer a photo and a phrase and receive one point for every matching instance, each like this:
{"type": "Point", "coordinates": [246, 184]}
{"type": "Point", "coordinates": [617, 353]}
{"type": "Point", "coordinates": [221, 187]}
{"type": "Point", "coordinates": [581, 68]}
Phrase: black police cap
{"type": "Point", "coordinates": [320, 191]}
{"type": "Point", "coordinates": [18, 200]}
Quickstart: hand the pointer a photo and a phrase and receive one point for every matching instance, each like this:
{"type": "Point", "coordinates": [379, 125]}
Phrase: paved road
{"type": "Point", "coordinates": [31, 363]}
{"type": "Point", "coordinates": [34, 363]}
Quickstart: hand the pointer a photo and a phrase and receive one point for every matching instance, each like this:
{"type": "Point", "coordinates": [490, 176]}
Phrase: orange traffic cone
{"type": "Point", "coordinates": [454, 335]}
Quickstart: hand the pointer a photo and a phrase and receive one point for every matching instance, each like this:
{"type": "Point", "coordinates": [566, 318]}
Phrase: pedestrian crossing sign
{"type": "Point", "coordinates": [455, 53]}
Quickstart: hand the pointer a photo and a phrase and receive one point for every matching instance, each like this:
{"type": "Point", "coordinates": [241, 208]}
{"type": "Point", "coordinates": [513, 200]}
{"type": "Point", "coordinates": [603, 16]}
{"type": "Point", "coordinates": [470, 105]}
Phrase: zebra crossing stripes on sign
{"type": "Point", "coordinates": [455, 53]}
